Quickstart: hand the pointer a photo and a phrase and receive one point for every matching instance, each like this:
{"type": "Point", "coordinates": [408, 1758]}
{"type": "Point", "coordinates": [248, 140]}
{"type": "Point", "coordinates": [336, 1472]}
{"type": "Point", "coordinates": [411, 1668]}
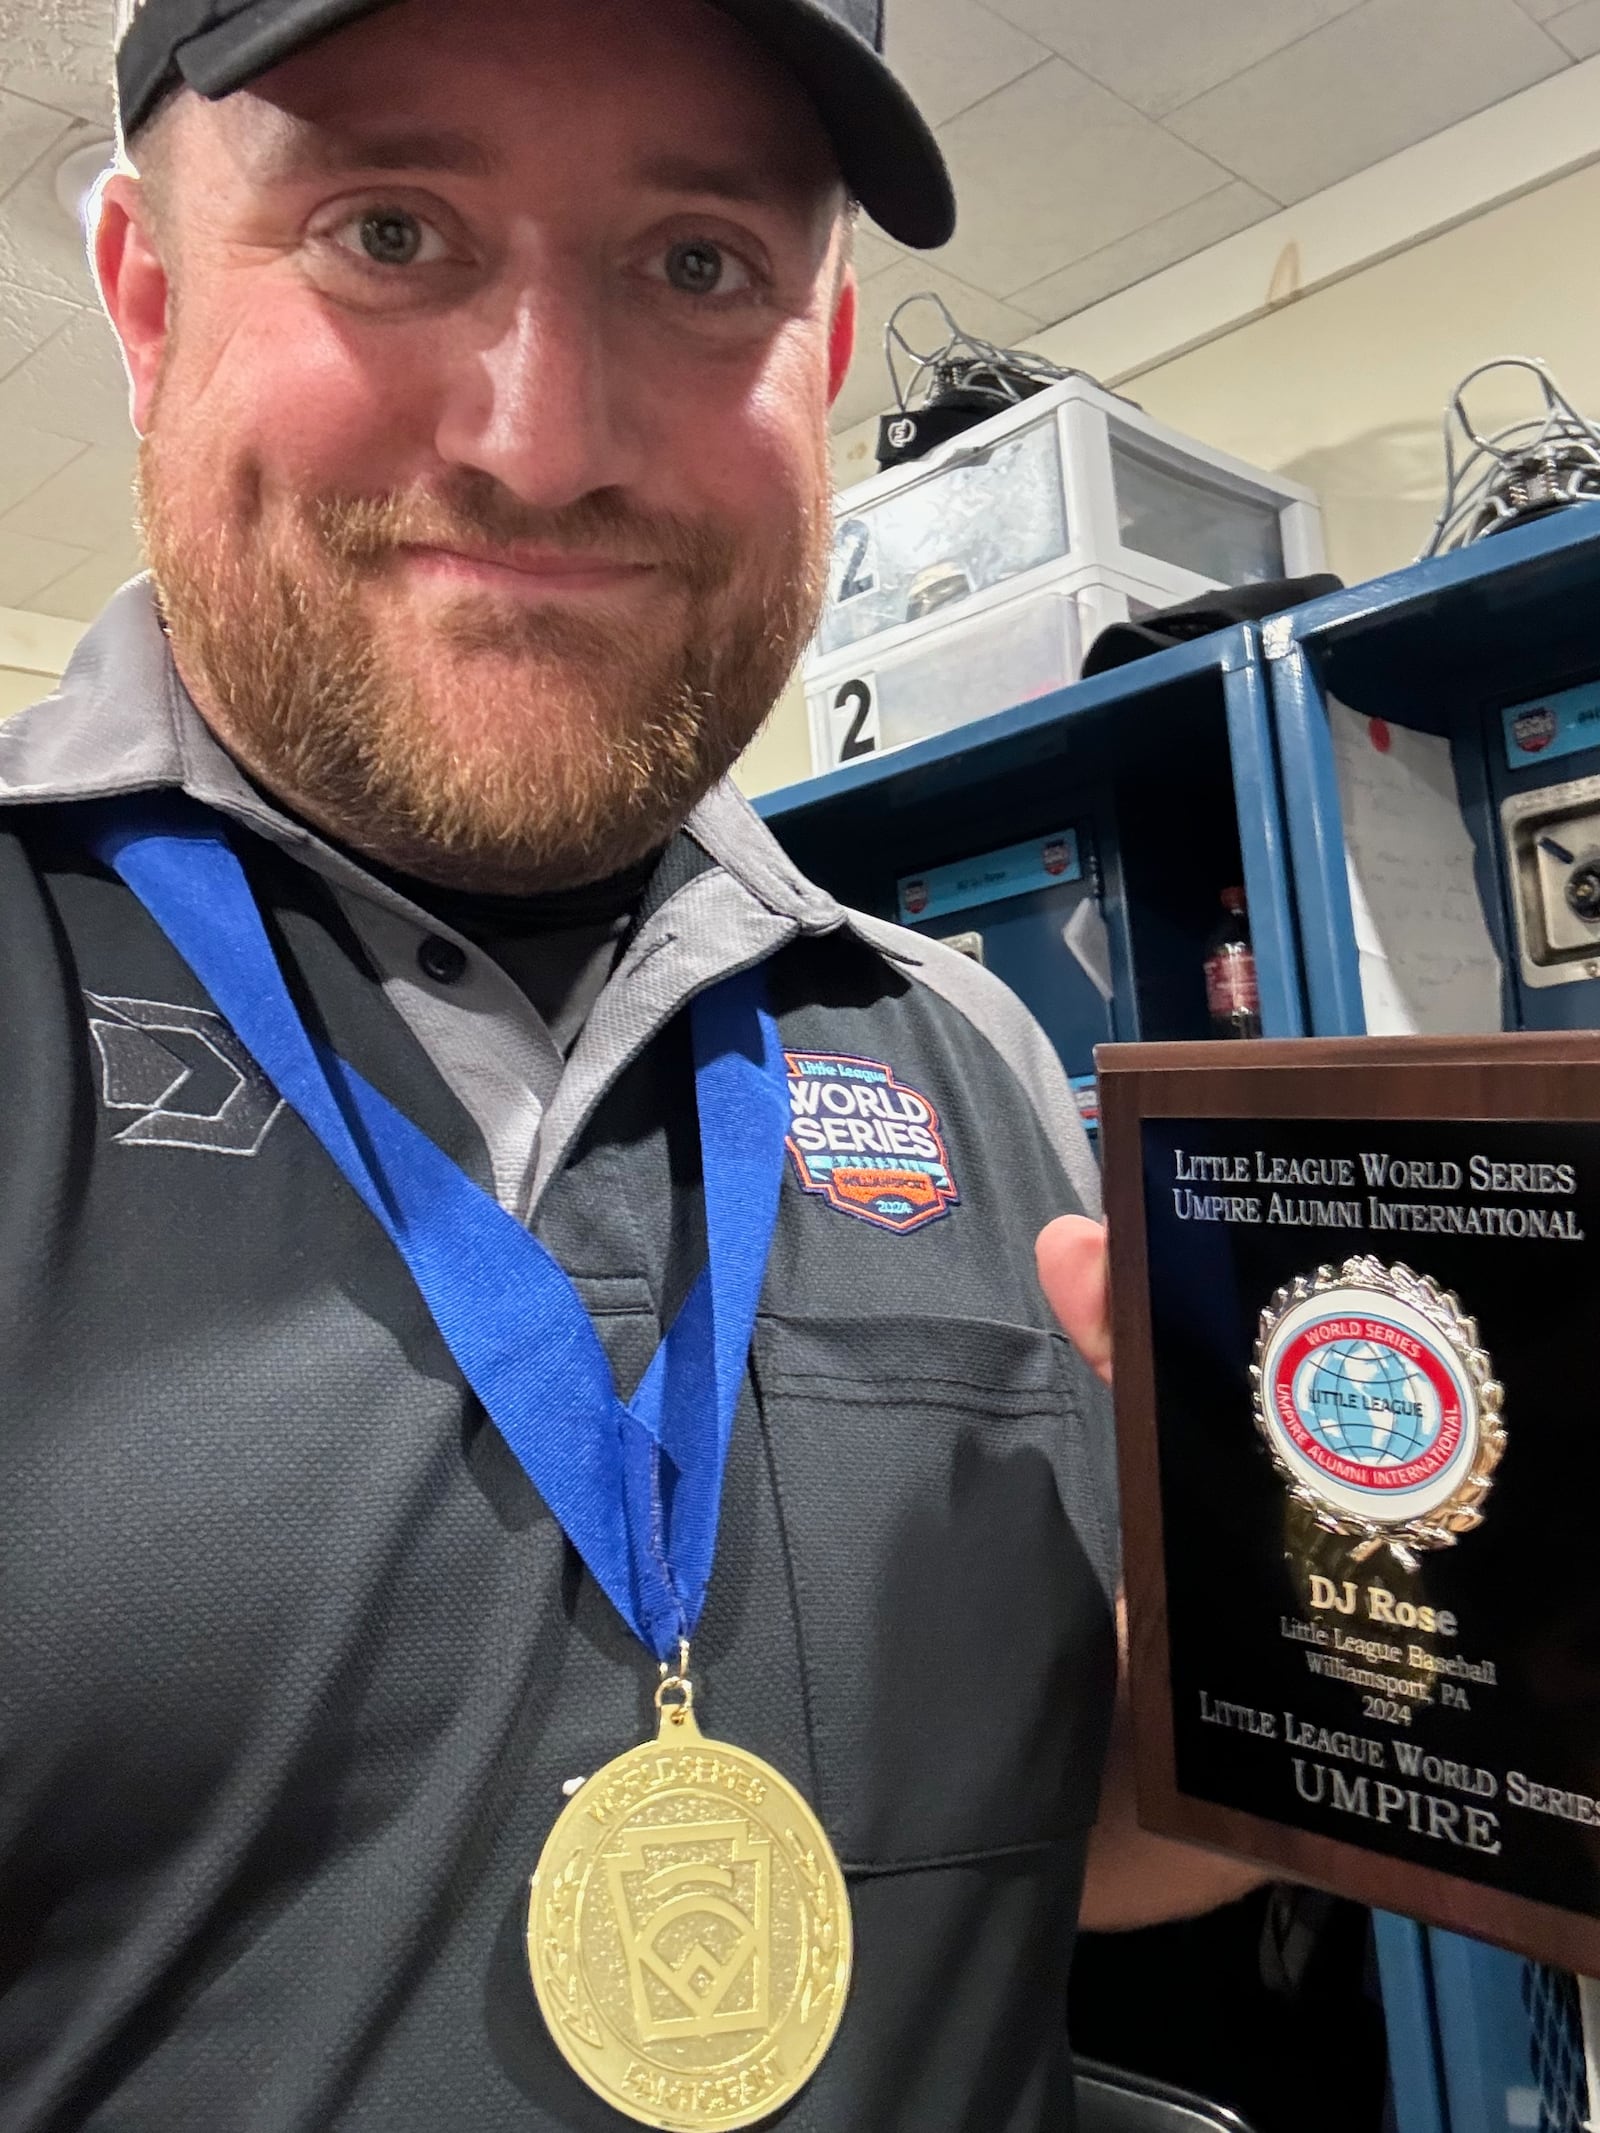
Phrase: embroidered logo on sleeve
{"type": "Point", "coordinates": [184, 1075]}
{"type": "Point", "coordinates": [866, 1143]}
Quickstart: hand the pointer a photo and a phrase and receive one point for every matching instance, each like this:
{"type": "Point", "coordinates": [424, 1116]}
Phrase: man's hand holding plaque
{"type": "Point", "coordinates": [1133, 1878]}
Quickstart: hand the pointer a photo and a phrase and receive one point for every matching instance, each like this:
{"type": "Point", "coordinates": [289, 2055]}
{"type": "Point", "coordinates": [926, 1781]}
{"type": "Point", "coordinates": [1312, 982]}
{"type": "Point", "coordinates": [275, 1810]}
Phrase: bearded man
{"type": "Point", "coordinates": [416, 1322]}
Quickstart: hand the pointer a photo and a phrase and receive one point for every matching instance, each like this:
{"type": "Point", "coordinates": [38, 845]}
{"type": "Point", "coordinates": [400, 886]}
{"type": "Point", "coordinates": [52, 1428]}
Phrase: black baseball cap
{"type": "Point", "coordinates": [886, 150]}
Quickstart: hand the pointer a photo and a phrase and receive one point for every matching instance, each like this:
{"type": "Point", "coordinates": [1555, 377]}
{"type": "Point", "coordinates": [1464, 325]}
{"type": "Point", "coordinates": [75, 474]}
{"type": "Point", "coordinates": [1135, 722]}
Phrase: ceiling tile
{"type": "Point", "coordinates": [27, 320]}
{"type": "Point", "coordinates": [42, 259]}
{"type": "Point", "coordinates": [89, 502]}
{"type": "Point", "coordinates": [867, 390]}
{"type": "Point", "coordinates": [873, 251]}
{"type": "Point", "coordinates": [1052, 168]}
{"type": "Point", "coordinates": [41, 247]}
{"type": "Point", "coordinates": [28, 565]}
{"type": "Point", "coordinates": [1158, 53]}
{"type": "Point", "coordinates": [1577, 30]}
{"type": "Point", "coordinates": [30, 458]}
{"type": "Point", "coordinates": [1390, 73]}
{"type": "Point", "coordinates": [949, 53]}
{"type": "Point", "coordinates": [74, 387]}
{"type": "Point", "coordinates": [59, 52]}
{"type": "Point", "coordinates": [73, 99]}
{"type": "Point", "coordinates": [1231, 207]}
{"type": "Point", "coordinates": [83, 591]}
{"type": "Point", "coordinates": [27, 132]}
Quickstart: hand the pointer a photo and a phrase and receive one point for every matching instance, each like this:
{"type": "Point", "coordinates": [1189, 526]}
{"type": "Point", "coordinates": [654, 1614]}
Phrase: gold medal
{"type": "Point", "coordinates": [689, 1931]}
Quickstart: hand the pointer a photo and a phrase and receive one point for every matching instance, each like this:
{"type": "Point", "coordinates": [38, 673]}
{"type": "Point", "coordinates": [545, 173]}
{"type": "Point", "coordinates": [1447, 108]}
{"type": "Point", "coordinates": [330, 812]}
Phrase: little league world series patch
{"type": "Point", "coordinates": [865, 1143]}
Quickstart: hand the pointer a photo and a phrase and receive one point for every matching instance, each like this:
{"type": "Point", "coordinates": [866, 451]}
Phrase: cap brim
{"type": "Point", "coordinates": [887, 153]}
{"type": "Point", "coordinates": [890, 159]}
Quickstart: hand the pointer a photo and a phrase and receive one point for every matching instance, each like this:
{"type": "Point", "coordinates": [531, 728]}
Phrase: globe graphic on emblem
{"type": "Point", "coordinates": [1361, 1402]}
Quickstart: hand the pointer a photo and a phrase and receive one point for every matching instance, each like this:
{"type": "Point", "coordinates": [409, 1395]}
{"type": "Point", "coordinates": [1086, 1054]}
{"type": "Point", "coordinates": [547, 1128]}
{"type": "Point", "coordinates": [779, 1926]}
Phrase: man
{"type": "Point", "coordinates": [481, 357]}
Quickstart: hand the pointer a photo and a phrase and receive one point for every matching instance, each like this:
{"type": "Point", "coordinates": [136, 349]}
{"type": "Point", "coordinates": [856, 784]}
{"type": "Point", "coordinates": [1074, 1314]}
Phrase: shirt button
{"type": "Point", "coordinates": [442, 960]}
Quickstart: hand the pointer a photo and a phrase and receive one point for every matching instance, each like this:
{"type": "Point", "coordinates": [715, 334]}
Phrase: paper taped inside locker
{"type": "Point", "coordinates": [1428, 964]}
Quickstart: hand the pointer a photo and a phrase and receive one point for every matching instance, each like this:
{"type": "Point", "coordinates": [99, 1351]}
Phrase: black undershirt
{"type": "Point", "coordinates": [559, 947]}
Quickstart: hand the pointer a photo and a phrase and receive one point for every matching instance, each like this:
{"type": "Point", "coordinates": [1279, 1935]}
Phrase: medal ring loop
{"type": "Point", "coordinates": [675, 1695]}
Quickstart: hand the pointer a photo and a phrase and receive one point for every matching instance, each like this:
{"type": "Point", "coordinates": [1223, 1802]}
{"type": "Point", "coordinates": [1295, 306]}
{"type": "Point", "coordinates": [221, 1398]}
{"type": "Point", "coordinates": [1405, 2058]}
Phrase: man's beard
{"type": "Point", "coordinates": [483, 744]}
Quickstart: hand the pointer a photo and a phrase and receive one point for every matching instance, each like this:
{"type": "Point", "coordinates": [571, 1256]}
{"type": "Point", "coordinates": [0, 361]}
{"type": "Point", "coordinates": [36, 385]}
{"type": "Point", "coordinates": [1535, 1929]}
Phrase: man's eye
{"type": "Point", "coordinates": [392, 237]}
{"type": "Point", "coordinates": [696, 267]}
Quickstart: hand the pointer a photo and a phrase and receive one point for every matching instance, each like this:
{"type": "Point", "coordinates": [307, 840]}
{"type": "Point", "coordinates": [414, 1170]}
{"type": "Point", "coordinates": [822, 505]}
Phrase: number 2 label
{"type": "Point", "coordinates": [853, 546]}
{"type": "Point", "coordinates": [853, 720]}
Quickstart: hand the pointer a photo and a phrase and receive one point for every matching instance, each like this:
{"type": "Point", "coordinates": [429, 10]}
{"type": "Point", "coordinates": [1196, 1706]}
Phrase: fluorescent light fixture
{"type": "Point", "coordinates": [79, 177]}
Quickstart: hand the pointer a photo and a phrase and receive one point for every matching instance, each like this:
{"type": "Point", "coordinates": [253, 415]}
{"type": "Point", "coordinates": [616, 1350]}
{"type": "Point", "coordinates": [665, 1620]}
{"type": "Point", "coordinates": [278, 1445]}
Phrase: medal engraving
{"type": "Point", "coordinates": [1378, 1406]}
{"type": "Point", "coordinates": [689, 1933]}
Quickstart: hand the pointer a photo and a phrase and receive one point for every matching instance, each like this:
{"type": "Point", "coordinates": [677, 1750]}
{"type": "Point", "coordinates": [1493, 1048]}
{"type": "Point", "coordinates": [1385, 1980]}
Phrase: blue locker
{"type": "Point", "coordinates": [1163, 774]}
{"type": "Point", "coordinates": [1495, 649]}
{"type": "Point", "coordinates": [1448, 647]}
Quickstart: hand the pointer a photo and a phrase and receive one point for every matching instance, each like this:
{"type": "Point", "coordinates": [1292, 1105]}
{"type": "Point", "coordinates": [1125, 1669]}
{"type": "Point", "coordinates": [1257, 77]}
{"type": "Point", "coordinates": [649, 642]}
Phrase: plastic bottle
{"type": "Point", "coordinates": [1231, 992]}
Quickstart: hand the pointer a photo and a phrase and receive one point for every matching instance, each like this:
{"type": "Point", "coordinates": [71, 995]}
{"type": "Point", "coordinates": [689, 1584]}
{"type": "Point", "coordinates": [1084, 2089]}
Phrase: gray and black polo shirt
{"type": "Point", "coordinates": [293, 1659]}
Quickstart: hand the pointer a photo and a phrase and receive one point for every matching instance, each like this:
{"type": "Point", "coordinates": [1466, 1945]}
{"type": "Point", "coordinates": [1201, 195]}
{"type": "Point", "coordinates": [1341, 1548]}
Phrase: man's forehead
{"type": "Point", "coordinates": [275, 145]}
{"type": "Point", "coordinates": [674, 94]}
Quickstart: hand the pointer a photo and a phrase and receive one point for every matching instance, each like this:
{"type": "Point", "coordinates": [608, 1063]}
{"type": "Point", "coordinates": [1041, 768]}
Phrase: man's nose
{"type": "Point", "coordinates": [534, 402]}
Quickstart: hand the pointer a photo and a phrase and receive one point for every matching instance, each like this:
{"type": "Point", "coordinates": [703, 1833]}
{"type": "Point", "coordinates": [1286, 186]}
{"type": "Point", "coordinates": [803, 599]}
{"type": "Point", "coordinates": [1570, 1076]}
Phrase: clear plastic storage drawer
{"type": "Point", "coordinates": [1170, 510]}
{"type": "Point", "coordinates": [969, 526]}
{"type": "Point", "coordinates": [982, 663]}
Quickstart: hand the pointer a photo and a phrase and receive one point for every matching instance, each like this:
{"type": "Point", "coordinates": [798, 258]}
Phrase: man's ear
{"type": "Point", "coordinates": [842, 333]}
{"type": "Point", "coordinates": [133, 287]}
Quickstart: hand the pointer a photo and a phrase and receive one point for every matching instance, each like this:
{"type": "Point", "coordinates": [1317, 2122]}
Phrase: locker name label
{"type": "Point", "coordinates": [1014, 870]}
{"type": "Point", "coordinates": [1563, 724]}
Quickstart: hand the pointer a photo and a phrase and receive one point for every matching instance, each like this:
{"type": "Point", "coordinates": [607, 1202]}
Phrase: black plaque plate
{"type": "Point", "coordinates": [1360, 1523]}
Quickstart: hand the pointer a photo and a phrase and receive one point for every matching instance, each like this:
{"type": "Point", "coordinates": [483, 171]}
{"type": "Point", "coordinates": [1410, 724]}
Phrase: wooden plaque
{"type": "Point", "coordinates": [1356, 1306]}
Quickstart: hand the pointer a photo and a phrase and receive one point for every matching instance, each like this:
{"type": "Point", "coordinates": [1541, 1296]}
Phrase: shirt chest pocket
{"type": "Point", "coordinates": [947, 1516]}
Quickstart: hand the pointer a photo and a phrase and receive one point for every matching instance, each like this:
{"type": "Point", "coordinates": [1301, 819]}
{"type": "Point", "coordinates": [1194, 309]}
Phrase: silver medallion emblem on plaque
{"type": "Point", "coordinates": [1380, 1409]}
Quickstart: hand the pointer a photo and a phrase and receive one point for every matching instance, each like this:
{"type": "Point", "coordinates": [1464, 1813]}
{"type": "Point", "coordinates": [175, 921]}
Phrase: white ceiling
{"type": "Point", "coordinates": [1093, 142]}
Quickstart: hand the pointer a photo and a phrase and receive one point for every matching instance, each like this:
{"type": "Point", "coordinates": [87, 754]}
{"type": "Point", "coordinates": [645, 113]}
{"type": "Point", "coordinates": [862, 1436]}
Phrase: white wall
{"type": "Point", "coordinates": [1344, 388]}
{"type": "Point", "coordinates": [781, 752]}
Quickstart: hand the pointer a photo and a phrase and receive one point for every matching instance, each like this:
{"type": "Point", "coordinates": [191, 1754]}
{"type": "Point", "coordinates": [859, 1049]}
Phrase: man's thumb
{"type": "Point", "coordinates": [1072, 1273]}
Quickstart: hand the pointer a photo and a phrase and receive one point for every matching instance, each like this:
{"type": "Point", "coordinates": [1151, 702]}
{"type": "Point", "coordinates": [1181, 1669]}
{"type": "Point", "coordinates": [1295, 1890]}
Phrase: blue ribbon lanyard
{"type": "Point", "coordinates": [636, 1485]}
